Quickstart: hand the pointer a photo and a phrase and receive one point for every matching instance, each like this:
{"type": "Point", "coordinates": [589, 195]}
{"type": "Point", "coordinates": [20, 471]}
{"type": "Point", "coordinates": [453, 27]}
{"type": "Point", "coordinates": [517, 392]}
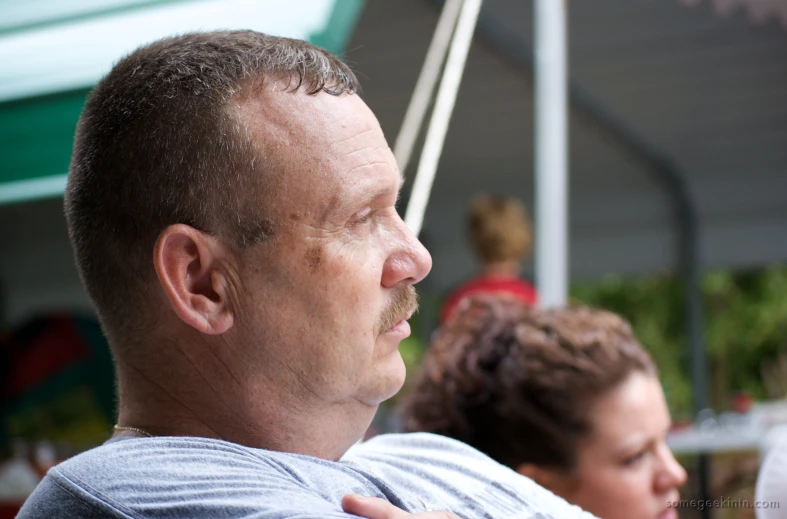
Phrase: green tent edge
{"type": "Point", "coordinates": [20, 182]}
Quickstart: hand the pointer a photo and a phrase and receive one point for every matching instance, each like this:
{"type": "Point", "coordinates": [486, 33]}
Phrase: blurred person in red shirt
{"type": "Point", "coordinates": [502, 237]}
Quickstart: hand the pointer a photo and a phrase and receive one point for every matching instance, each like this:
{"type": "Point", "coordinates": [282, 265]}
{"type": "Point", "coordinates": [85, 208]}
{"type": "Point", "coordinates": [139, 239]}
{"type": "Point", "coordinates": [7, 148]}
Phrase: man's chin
{"type": "Point", "coordinates": [387, 383]}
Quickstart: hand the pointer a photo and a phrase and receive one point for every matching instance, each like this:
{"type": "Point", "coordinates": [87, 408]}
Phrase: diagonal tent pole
{"type": "Point", "coordinates": [441, 115]}
{"type": "Point", "coordinates": [424, 88]}
{"type": "Point", "coordinates": [551, 154]}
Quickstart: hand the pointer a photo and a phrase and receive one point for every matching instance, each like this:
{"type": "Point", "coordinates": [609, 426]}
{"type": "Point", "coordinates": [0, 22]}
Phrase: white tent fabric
{"type": "Point", "coordinates": [66, 56]}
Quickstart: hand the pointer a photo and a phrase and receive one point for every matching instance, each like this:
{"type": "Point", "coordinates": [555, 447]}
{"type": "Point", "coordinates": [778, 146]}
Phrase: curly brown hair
{"type": "Point", "coordinates": [518, 383]}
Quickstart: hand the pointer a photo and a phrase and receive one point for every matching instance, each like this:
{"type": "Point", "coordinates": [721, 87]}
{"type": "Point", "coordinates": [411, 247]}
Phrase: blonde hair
{"type": "Point", "coordinates": [500, 228]}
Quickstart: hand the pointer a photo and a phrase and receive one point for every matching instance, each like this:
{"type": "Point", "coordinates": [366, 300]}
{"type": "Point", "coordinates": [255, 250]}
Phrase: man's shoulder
{"type": "Point", "coordinates": [199, 478]}
{"type": "Point", "coordinates": [136, 460]}
{"type": "Point", "coordinates": [190, 477]}
{"type": "Point", "coordinates": [417, 444]}
{"type": "Point", "coordinates": [463, 478]}
{"type": "Point", "coordinates": [413, 454]}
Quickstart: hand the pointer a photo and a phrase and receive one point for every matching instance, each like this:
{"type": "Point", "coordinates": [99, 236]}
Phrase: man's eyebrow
{"type": "Point", "coordinates": [377, 193]}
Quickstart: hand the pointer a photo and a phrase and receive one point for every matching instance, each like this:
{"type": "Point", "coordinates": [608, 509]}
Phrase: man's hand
{"type": "Point", "coordinates": [376, 508]}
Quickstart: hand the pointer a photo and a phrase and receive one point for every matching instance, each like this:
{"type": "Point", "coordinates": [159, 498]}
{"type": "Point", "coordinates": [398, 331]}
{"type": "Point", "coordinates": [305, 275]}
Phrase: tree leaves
{"type": "Point", "coordinates": [745, 329]}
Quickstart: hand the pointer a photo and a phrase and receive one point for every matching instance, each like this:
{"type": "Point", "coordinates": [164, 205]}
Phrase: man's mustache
{"type": "Point", "coordinates": [404, 304]}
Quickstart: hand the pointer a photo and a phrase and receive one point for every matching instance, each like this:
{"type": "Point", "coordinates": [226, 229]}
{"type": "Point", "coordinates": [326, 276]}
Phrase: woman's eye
{"type": "Point", "coordinates": [633, 460]}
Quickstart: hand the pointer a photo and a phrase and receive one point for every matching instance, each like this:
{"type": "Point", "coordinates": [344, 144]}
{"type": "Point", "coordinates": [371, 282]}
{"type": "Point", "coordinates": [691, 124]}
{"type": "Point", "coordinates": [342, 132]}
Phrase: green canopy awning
{"type": "Point", "coordinates": [52, 52]}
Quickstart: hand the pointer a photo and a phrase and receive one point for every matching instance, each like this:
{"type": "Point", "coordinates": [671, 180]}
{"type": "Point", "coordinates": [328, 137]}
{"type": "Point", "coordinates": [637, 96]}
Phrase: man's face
{"type": "Point", "coordinates": [323, 301]}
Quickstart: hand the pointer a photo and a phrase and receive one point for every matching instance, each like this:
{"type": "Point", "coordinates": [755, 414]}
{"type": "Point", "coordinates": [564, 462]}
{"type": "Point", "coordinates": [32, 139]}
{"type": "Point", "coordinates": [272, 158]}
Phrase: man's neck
{"type": "Point", "coordinates": [256, 419]}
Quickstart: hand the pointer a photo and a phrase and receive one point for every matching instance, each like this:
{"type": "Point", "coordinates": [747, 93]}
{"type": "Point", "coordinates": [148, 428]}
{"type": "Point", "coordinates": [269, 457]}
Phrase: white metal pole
{"type": "Point", "coordinates": [551, 153]}
{"type": "Point", "coordinates": [441, 115]}
{"type": "Point", "coordinates": [424, 87]}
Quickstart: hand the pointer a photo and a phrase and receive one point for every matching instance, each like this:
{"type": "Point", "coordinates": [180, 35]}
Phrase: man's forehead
{"type": "Point", "coordinates": [280, 114]}
{"type": "Point", "coordinates": [334, 141]}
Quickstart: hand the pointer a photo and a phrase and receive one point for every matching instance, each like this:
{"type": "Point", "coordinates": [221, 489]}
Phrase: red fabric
{"type": "Point", "coordinates": [489, 284]}
{"type": "Point", "coordinates": [9, 510]}
{"type": "Point", "coordinates": [41, 351]}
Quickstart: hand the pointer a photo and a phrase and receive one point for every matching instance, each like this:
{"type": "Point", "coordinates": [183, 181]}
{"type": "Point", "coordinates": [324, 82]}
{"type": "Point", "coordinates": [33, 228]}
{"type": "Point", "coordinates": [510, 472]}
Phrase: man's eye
{"type": "Point", "coordinates": [362, 219]}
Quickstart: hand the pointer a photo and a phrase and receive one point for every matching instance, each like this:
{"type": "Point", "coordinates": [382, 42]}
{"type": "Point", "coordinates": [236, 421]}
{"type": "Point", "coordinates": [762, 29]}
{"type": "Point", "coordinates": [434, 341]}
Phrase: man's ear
{"type": "Point", "coordinates": [191, 267]}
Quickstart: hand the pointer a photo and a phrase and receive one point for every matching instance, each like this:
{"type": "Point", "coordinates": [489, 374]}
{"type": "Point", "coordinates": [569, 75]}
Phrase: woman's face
{"type": "Point", "coordinates": [625, 469]}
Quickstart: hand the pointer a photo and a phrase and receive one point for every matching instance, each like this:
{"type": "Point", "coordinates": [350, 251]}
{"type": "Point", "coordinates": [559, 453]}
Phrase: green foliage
{"type": "Point", "coordinates": [745, 330]}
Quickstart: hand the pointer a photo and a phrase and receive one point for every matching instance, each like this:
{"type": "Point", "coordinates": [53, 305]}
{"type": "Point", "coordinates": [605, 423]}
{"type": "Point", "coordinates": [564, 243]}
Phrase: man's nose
{"type": "Point", "coordinates": [410, 263]}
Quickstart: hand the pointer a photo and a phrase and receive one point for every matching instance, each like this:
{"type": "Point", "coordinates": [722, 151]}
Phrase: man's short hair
{"type": "Point", "coordinates": [158, 144]}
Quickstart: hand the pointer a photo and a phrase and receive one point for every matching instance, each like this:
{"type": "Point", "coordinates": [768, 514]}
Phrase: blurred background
{"type": "Point", "coordinates": [677, 194]}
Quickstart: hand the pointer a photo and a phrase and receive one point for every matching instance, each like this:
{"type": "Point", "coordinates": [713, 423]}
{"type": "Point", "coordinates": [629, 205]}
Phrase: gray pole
{"type": "Point", "coordinates": [551, 153]}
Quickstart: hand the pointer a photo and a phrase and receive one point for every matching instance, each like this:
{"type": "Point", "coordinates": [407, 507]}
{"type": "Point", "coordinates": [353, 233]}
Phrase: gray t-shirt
{"type": "Point", "coordinates": [201, 478]}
